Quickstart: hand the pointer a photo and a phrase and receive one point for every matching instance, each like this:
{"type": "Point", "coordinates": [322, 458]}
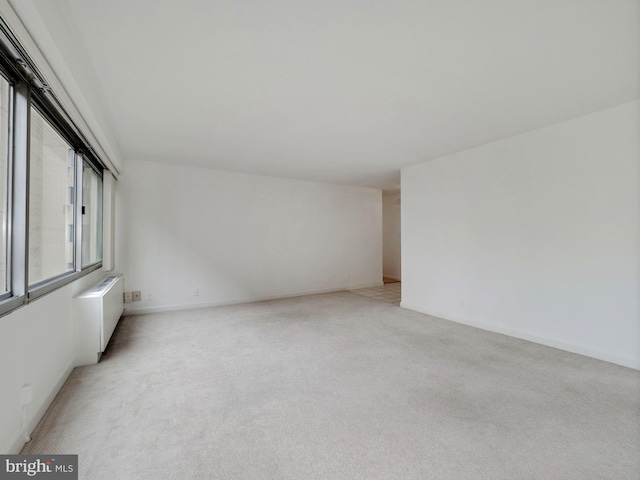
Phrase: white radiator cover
{"type": "Point", "coordinates": [98, 311]}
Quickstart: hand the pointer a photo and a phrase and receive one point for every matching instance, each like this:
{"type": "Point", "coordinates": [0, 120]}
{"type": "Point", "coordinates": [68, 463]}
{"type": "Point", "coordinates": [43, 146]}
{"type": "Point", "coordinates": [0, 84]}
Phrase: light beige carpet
{"type": "Point", "coordinates": [389, 292]}
{"type": "Point", "coordinates": [339, 386]}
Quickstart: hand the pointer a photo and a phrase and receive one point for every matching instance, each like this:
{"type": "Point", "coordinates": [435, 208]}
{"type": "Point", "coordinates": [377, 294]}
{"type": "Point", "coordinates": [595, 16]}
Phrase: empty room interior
{"type": "Point", "coordinates": [324, 239]}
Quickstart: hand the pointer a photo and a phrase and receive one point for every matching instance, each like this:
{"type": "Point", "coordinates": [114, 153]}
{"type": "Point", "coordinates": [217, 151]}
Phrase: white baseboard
{"type": "Point", "coordinates": [547, 342]}
{"type": "Point", "coordinates": [17, 445]}
{"type": "Point", "coordinates": [41, 409]}
{"type": "Point", "coordinates": [134, 310]}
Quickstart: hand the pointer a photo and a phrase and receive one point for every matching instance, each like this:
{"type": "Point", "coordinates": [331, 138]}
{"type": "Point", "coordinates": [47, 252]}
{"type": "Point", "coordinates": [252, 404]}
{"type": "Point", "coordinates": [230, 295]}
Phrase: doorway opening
{"type": "Point", "coordinates": [391, 236]}
{"type": "Point", "coordinates": [391, 289]}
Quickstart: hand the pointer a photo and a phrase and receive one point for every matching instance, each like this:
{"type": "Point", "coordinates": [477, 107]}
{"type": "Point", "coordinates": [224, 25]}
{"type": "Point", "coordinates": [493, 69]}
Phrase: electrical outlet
{"type": "Point", "coordinates": [137, 296]}
{"type": "Point", "coordinates": [196, 292]}
{"type": "Point", "coordinates": [149, 296]}
{"type": "Point", "coordinates": [26, 395]}
{"type": "Point", "coordinates": [128, 297]}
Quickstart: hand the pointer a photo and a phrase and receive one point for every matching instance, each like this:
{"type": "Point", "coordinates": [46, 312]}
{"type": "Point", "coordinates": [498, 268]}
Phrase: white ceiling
{"type": "Point", "coordinates": [344, 91]}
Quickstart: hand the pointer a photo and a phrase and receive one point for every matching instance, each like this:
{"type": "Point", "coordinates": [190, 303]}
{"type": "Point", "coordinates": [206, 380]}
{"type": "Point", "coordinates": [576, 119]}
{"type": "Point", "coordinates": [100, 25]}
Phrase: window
{"type": "Point", "coordinates": [5, 89]}
{"type": "Point", "coordinates": [91, 215]}
{"type": "Point", "coordinates": [51, 182]}
{"type": "Point", "coordinates": [51, 215]}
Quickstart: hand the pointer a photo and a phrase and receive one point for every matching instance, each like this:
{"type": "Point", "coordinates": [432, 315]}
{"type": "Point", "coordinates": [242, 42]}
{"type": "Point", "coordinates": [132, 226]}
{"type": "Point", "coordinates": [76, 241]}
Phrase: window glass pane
{"type": "Point", "coordinates": [51, 174]}
{"type": "Point", "coordinates": [4, 169]}
{"type": "Point", "coordinates": [91, 216]}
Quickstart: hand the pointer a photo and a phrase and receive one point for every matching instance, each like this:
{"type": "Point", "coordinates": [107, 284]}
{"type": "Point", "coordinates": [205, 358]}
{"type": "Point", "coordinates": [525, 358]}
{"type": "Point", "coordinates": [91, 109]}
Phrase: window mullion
{"type": "Point", "coordinates": [9, 212]}
{"type": "Point", "coordinates": [19, 226]}
{"type": "Point", "coordinates": [77, 217]}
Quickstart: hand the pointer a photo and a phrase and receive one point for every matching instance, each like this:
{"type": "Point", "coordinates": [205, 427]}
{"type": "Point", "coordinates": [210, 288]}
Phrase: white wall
{"type": "Point", "coordinates": [391, 245]}
{"type": "Point", "coordinates": [237, 237]}
{"type": "Point", "coordinates": [37, 347]}
{"type": "Point", "coordinates": [537, 236]}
